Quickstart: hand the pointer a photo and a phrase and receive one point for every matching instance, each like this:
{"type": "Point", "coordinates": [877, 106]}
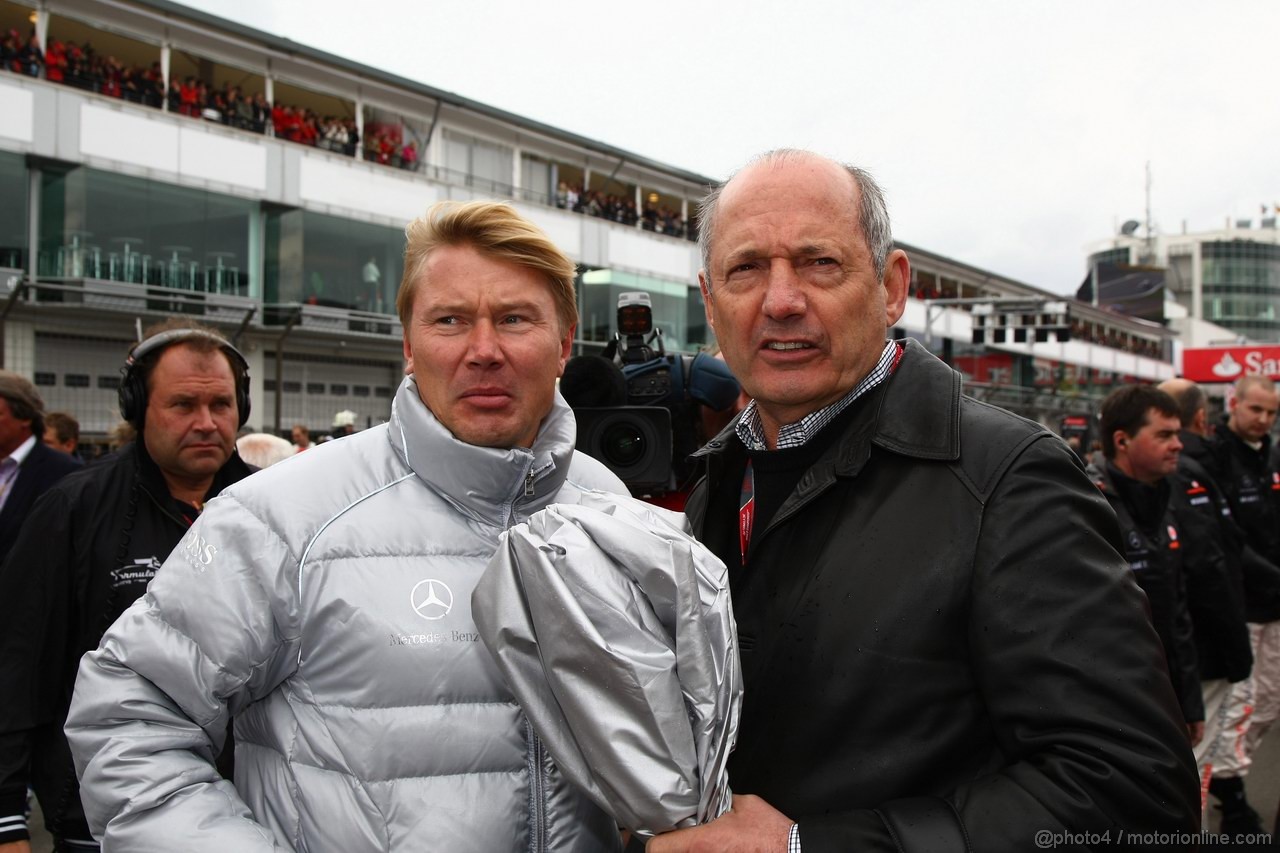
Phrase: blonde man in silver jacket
{"type": "Point", "coordinates": [325, 603]}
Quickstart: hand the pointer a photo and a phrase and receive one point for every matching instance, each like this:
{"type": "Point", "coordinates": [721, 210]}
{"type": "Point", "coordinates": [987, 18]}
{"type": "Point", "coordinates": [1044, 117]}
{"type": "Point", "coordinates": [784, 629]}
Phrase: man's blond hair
{"type": "Point", "coordinates": [497, 232]}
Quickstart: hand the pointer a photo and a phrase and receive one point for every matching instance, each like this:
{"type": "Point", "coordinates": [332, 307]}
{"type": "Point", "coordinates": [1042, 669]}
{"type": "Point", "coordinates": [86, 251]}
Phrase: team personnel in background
{"type": "Point", "coordinates": [28, 468]}
{"type": "Point", "coordinates": [94, 541]}
{"type": "Point", "coordinates": [1213, 555]}
{"type": "Point", "coordinates": [62, 432]}
{"type": "Point", "coordinates": [942, 647]}
{"type": "Point", "coordinates": [369, 716]}
{"type": "Point", "coordinates": [1241, 464]}
{"type": "Point", "coordinates": [1140, 426]}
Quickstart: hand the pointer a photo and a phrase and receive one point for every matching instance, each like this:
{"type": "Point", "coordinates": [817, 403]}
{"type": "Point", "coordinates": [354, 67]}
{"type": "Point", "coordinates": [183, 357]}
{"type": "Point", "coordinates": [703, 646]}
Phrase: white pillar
{"type": "Point", "coordinates": [42, 28]}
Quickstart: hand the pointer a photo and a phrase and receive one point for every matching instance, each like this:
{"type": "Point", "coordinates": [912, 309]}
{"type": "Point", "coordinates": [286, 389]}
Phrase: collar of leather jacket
{"type": "Point", "coordinates": [914, 412]}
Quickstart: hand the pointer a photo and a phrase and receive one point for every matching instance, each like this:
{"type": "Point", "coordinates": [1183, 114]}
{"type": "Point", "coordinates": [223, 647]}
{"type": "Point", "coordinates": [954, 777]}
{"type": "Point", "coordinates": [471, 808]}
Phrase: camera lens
{"type": "Point", "coordinates": [622, 444]}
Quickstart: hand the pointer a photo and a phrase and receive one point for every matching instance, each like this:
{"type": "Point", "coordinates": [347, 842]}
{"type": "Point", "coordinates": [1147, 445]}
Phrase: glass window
{"type": "Point", "coordinates": [76, 380]}
{"type": "Point", "coordinates": [315, 387]}
{"type": "Point", "coordinates": [535, 180]}
{"type": "Point", "coordinates": [45, 379]}
{"type": "Point", "coordinates": [478, 163]}
{"type": "Point", "coordinates": [338, 390]}
{"type": "Point", "coordinates": [13, 213]}
{"type": "Point", "coordinates": [99, 225]}
{"type": "Point", "coordinates": [323, 260]}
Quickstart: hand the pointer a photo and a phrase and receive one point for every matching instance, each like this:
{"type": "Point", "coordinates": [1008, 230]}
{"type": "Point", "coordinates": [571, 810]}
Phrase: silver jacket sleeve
{"type": "Point", "coordinates": [614, 629]}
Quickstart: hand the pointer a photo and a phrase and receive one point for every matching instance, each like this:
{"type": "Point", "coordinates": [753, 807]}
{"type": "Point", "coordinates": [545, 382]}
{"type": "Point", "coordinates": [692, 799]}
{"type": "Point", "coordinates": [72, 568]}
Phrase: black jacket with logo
{"type": "Point", "coordinates": [942, 647]}
{"type": "Point", "coordinates": [1153, 547]}
{"type": "Point", "coordinates": [1212, 559]}
{"type": "Point", "coordinates": [1252, 488]}
{"type": "Point", "coordinates": [87, 550]}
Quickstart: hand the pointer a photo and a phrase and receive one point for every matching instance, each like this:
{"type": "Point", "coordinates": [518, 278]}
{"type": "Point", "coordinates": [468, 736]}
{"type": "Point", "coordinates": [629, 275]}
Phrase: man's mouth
{"type": "Point", "coordinates": [786, 346]}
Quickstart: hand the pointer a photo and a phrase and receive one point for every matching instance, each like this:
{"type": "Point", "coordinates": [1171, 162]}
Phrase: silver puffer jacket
{"type": "Point", "coordinates": [326, 604]}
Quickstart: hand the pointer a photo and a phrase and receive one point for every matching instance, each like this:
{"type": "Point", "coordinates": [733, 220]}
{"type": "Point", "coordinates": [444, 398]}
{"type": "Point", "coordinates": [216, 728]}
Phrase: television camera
{"type": "Point", "coordinates": [645, 433]}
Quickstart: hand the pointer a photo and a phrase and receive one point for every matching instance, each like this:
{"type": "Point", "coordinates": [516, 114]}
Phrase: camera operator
{"type": "Point", "coordinates": [641, 411]}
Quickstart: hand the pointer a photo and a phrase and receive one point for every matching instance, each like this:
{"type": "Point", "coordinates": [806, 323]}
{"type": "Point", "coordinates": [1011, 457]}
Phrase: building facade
{"type": "Point", "coordinates": [156, 160]}
{"type": "Point", "coordinates": [1229, 277]}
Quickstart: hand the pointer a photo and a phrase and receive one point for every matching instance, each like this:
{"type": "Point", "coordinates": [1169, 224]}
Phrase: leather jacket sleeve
{"type": "Point", "coordinates": [214, 632]}
{"type": "Point", "coordinates": [1073, 680]}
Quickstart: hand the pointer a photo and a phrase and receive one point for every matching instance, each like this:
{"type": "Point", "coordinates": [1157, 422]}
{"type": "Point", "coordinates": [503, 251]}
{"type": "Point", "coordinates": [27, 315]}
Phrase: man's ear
{"type": "Point", "coordinates": [897, 281]}
{"type": "Point", "coordinates": [704, 284]}
{"type": "Point", "coordinates": [566, 348]}
{"type": "Point", "coordinates": [408, 356]}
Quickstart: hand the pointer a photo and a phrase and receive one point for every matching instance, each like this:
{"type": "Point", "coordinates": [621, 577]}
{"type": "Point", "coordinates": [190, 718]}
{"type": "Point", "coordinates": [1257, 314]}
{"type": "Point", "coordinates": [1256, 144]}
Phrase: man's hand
{"type": "Point", "coordinates": [16, 847]}
{"type": "Point", "coordinates": [750, 826]}
{"type": "Point", "coordinates": [1195, 734]}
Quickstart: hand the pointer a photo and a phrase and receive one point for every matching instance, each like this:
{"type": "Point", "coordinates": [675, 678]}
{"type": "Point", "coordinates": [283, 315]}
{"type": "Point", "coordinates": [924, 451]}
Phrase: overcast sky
{"type": "Point", "coordinates": [1007, 135]}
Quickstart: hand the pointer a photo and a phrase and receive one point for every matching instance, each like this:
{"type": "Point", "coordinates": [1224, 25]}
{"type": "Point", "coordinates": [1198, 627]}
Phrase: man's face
{"type": "Point", "coordinates": [191, 420]}
{"type": "Point", "coordinates": [1152, 453]}
{"type": "Point", "coordinates": [51, 439]}
{"type": "Point", "coordinates": [792, 292]}
{"type": "Point", "coordinates": [1253, 413]}
{"type": "Point", "coordinates": [12, 431]}
{"type": "Point", "coordinates": [485, 346]}
{"type": "Point", "coordinates": [300, 436]}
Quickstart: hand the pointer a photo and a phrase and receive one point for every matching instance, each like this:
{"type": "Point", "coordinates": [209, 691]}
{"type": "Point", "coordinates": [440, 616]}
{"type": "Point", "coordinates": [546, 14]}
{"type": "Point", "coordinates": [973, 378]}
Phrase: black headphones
{"type": "Point", "coordinates": [133, 384]}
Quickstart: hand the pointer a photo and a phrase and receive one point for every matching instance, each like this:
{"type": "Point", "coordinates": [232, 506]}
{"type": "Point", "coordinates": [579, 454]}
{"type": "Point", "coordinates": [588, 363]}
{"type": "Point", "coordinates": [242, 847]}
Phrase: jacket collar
{"type": "Point", "coordinates": [915, 412]}
{"type": "Point", "coordinates": [486, 482]}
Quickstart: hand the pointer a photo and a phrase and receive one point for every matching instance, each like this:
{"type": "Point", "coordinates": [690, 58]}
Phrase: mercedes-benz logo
{"type": "Point", "coordinates": [431, 599]}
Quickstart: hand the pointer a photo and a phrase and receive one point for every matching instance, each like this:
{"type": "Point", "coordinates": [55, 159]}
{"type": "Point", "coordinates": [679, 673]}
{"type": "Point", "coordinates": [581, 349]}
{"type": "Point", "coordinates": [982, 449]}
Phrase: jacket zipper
{"type": "Point", "coordinates": [537, 792]}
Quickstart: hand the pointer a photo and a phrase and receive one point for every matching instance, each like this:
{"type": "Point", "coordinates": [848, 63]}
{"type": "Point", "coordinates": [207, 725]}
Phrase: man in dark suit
{"type": "Point", "coordinates": [29, 467]}
{"type": "Point", "coordinates": [942, 646]}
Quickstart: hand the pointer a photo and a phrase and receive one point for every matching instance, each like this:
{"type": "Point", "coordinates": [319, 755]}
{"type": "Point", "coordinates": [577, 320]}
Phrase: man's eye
{"type": "Point", "coordinates": [446, 321]}
{"type": "Point", "coordinates": [512, 319]}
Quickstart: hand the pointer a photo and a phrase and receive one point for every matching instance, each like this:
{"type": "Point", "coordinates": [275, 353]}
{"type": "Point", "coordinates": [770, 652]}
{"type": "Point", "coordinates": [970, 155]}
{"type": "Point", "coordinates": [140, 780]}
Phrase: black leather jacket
{"type": "Point", "coordinates": [942, 647]}
{"type": "Point", "coordinates": [1211, 555]}
{"type": "Point", "coordinates": [1253, 491]}
{"type": "Point", "coordinates": [1153, 546]}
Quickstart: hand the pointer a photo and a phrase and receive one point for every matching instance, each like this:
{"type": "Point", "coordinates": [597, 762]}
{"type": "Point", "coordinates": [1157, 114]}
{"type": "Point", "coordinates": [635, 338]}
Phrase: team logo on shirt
{"type": "Point", "coordinates": [1173, 539]}
{"type": "Point", "coordinates": [431, 599]}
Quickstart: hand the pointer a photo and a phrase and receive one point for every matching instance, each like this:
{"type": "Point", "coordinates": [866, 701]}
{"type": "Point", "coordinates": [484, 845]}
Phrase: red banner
{"type": "Point", "coordinates": [1227, 364]}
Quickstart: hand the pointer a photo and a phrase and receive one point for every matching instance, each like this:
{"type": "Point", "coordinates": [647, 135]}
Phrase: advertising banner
{"type": "Point", "coordinates": [1227, 364]}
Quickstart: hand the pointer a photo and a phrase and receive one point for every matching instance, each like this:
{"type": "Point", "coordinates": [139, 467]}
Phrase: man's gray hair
{"type": "Point", "coordinates": [873, 213]}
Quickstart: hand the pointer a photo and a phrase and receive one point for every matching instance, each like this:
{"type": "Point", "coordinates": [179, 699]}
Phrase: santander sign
{"type": "Point", "coordinates": [1227, 364]}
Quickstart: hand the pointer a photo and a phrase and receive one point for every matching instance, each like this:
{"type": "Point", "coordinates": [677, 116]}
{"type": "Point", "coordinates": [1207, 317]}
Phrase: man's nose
{"type": "Point", "coordinates": [784, 293]}
{"type": "Point", "coordinates": [482, 344]}
{"type": "Point", "coordinates": [204, 419]}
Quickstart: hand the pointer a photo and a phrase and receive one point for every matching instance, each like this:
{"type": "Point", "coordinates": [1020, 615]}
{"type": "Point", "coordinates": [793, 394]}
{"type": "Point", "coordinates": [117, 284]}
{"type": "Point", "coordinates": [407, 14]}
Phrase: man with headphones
{"type": "Point", "coordinates": [92, 544]}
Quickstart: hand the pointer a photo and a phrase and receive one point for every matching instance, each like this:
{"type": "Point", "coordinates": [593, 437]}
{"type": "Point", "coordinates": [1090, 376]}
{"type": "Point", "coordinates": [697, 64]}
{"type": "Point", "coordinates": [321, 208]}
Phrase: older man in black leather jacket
{"type": "Point", "coordinates": [942, 648]}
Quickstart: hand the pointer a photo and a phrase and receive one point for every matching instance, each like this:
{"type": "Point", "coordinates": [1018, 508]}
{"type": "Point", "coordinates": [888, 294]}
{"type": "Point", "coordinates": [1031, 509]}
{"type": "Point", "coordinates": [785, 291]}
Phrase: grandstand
{"type": "Point", "coordinates": [155, 160]}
